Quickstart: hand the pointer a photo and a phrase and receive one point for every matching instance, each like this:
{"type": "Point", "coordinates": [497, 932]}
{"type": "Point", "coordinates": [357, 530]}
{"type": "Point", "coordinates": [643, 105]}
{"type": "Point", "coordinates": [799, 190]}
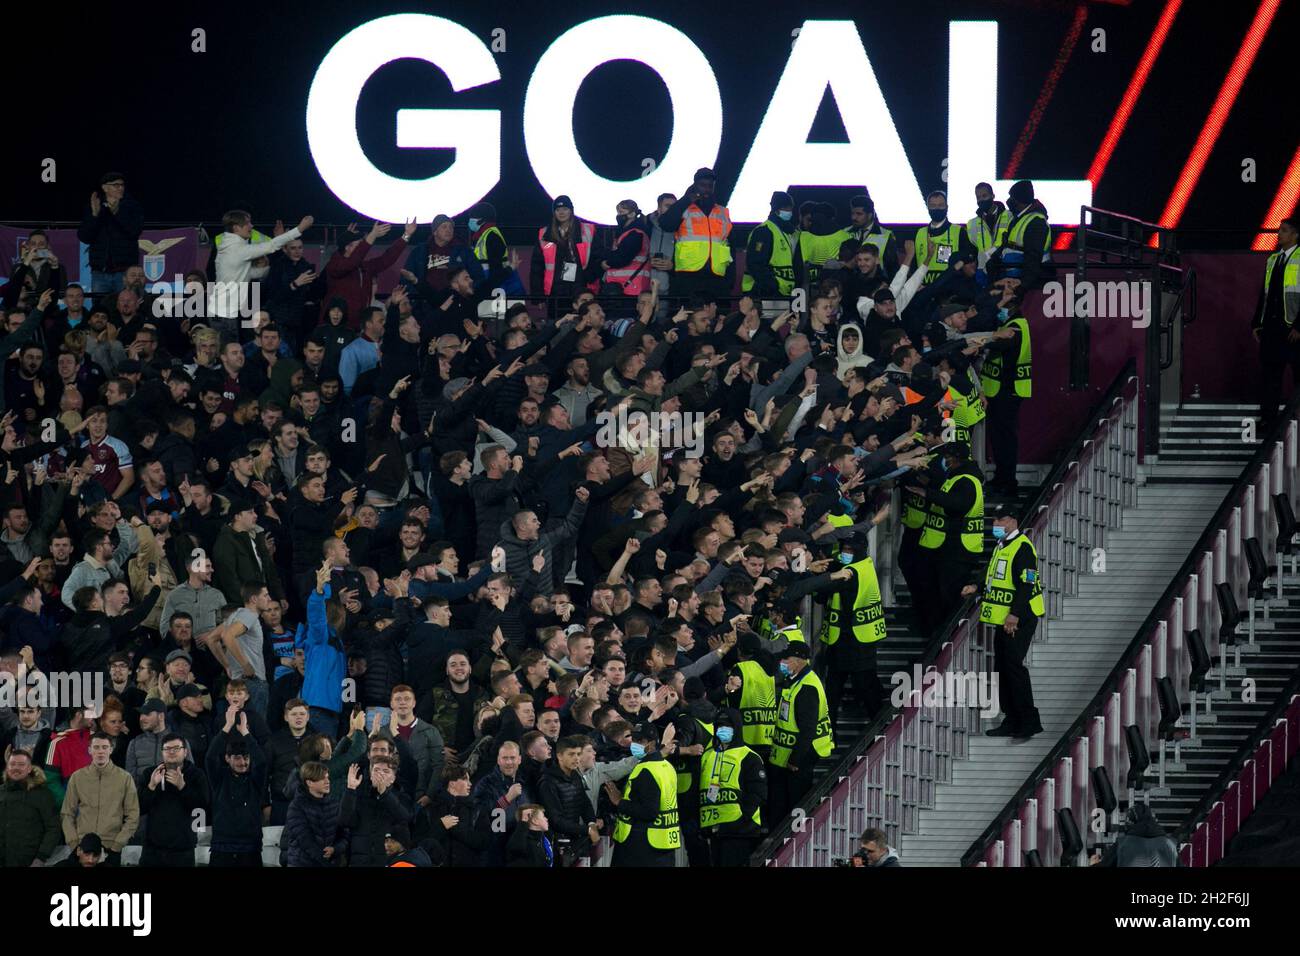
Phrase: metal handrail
{"type": "Point", "coordinates": [1159, 611]}
{"type": "Point", "coordinates": [1100, 412]}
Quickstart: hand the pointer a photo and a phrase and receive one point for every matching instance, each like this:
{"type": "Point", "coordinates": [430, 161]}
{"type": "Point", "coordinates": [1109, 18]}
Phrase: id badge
{"type": "Point", "coordinates": [570, 271]}
{"type": "Point", "coordinates": [785, 710]}
{"type": "Point", "coordinates": [712, 795]}
{"type": "Point", "coordinates": [945, 253]}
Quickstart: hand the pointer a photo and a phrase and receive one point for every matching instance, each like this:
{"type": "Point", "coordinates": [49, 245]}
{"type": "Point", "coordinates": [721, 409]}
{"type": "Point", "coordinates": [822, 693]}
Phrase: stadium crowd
{"type": "Point", "coordinates": [503, 569]}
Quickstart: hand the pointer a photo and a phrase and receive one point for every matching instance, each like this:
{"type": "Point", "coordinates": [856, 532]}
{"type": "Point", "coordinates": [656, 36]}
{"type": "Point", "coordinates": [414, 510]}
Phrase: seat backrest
{"type": "Point", "coordinates": [1285, 515]}
{"type": "Point", "coordinates": [1255, 561]}
{"type": "Point", "coordinates": [1102, 792]}
{"type": "Point", "coordinates": [1200, 658]}
{"type": "Point", "coordinates": [1170, 708]}
{"type": "Point", "coordinates": [1138, 758]}
{"type": "Point", "coordinates": [271, 836]}
{"type": "Point", "coordinates": [1033, 858]}
{"type": "Point", "coordinates": [1228, 611]}
{"type": "Point", "coordinates": [1071, 840]}
{"type": "Point", "coordinates": [131, 855]}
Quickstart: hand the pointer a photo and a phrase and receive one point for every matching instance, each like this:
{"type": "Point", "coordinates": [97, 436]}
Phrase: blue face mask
{"type": "Point", "coordinates": [724, 734]}
{"type": "Point", "coordinates": [1003, 315]}
{"type": "Point", "coordinates": [638, 750]}
{"type": "Point", "coordinates": [784, 668]}
{"type": "Point", "coordinates": [845, 558]}
{"type": "Point", "coordinates": [474, 224]}
{"type": "Point", "coordinates": [785, 215]}
{"type": "Point", "coordinates": [943, 465]}
{"type": "Point", "coordinates": [999, 532]}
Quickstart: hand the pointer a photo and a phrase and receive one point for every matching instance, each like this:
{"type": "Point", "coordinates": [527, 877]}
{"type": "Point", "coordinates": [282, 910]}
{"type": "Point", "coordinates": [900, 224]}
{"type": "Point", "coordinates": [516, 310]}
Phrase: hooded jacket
{"type": "Point", "coordinates": [29, 824]}
{"type": "Point", "coordinates": [311, 825]}
{"type": "Point", "coordinates": [520, 554]}
{"type": "Point", "coordinates": [844, 359]}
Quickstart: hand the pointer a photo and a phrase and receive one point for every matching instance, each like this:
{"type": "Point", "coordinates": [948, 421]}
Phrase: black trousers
{"type": "Point", "coordinates": [251, 858]}
{"type": "Point", "coordinates": [1015, 693]}
{"type": "Point", "coordinates": [1004, 433]}
{"type": "Point", "coordinates": [731, 851]}
{"type": "Point", "coordinates": [863, 675]}
{"type": "Point", "coordinates": [155, 856]}
{"type": "Point", "coordinates": [786, 789]}
{"type": "Point", "coordinates": [1275, 354]}
{"type": "Point", "coordinates": [924, 585]}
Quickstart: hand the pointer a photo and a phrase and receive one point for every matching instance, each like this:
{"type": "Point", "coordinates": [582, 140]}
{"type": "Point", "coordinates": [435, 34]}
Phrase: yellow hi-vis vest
{"type": "Point", "coordinates": [1000, 587]}
{"type": "Point", "coordinates": [878, 239]}
{"type": "Point", "coordinates": [721, 769]}
{"type": "Point", "coordinates": [914, 509]}
{"type": "Point", "coordinates": [663, 833]}
{"type": "Point", "coordinates": [481, 250]}
{"type": "Point", "coordinates": [702, 240]}
{"type": "Point", "coordinates": [787, 731]}
{"type": "Point", "coordinates": [757, 703]}
{"type": "Point", "coordinates": [781, 261]}
{"type": "Point", "coordinates": [1013, 244]}
{"type": "Point", "coordinates": [986, 239]}
{"type": "Point", "coordinates": [866, 620]}
{"type": "Point", "coordinates": [972, 527]}
{"type": "Point", "coordinates": [991, 374]}
{"type": "Point", "coordinates": [969, 410]}
{"type": "Point", "coordinates": [818, 249]}
{"type": "Point", "coordinates": [933, 252]}
{"type": "Point", "coordinates": [1290, 279]}
{"type": "Point", "coordinates": [685, 776]}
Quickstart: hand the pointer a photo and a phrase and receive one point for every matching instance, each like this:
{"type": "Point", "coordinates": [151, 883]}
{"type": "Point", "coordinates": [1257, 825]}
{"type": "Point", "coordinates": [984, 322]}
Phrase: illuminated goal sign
{"type": "Point", "coordinates": [827, 54]}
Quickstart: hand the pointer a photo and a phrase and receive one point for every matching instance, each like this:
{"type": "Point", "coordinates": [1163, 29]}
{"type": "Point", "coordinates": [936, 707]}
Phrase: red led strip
{"type": "Point", "coordinates": [1284, 204]}
{"type": "Point", "coordinates": [1046, 93]}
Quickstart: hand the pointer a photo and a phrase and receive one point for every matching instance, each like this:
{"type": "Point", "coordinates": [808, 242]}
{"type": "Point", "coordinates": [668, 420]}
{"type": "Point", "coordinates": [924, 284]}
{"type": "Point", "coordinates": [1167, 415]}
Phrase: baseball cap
{"type": "Point", "coordinates": [799, 650]}
{"type": "Point", "coordinates": [187, 690]}
{"type": "Point", "coordinates": [177, 655]}
{"type": "Point", "coordinates": [439, 219]}
{"type": "Point", "coordinates": [562, 202]}
{"type": "Point", "coordinates": [645, 732]}
{"type": "Point", "coordinates": [91, 843]}
{"type": "Point", "coordinates": [420, 561]}
{"type": "Point", "coordinates": [240, 451]}
{"type": "Point", "coordinates": [153, 706]}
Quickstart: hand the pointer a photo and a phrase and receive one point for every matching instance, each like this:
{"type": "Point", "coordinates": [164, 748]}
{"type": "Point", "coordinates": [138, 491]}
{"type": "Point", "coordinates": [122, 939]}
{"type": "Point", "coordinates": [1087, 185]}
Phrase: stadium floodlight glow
{"type": "Point", "coordinates": [972, 130]}
{"type": "Point", "coordinates": [828, 53]}
{"type": "Point", "coordinates": [548, 111]}
{"type": "Point", "coordinates": [475, 135]}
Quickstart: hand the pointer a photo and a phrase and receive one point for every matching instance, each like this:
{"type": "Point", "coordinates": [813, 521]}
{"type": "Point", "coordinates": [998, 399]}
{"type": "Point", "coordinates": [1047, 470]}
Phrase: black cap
{"type": "Point", "coordinates": [110, 177]}
{"type": "Point", "coordinates": [420, 561]}
{"type": "Point", "coordinates": [952, 308]}
{"type": "Point", "coordinates": [645, 732]}
{"type": "Point", "coordinates": [957, 449]}
{"type": "Point", "coordinates": [881, 295]}
{"type": "Point", "coordinates": [562, 202]}
{"type": "Point", "coordinates": [399, 834]}
{"type": "Point", "coordinates": [158, 507]}
{"type": "Point", "coordinates": [153, 706]}
{"type": "Point", "coordinates": [782, 200]}
{"type": "Point", "coordinates": [537, 368]}
{"type": "Point", "coordinates": [858, 544]}
{"type": "Point", "coordinates": [797, 649]}
{"type": "Point", "coordinates": [705, 173]}
{"type": "Point", "coordinates": [187, 690]}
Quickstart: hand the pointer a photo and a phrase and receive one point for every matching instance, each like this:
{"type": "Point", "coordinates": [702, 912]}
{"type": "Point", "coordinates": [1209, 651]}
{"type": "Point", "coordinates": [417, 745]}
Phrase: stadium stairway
{"type": "Point", "coordinates": [1177, 495]}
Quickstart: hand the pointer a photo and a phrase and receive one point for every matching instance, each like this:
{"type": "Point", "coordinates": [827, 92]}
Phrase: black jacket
{"type": "Point", "coordinates": [282, 760]}
{"type": "Point", "coordinates": [463, 844]}
{"type": "Point", "coordinates": [236, 798]}
{"type": "Point", "coordinates": [91, 637]}
{"type": "Point", "coordinates": [368, 815]}
{"type": "Point", "coordinates": [171, 811]}
{"type": "Point", "coordinates": [113, 237]}
{"type": "Point", "coordinates": [528, 847]}
{"type": "Point", "coordinates": [568, 808]}
{"type": "Point", "coordinates": [311, 825]}
{"type": "Point", "coordinates": [753, 795]}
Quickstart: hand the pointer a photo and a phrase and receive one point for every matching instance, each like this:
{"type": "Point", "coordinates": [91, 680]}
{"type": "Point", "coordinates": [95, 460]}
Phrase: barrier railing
{"type": "Point", "coordinates": [907, 752]}
{"type": "Point", "coordinates": [1128, 696]}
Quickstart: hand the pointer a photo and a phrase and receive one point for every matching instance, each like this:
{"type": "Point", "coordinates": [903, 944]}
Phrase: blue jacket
{"type": "Point", "coordinates": [325, 663]}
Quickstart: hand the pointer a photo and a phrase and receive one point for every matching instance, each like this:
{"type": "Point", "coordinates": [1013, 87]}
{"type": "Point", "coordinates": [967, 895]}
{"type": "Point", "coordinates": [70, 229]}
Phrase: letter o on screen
{"type": "Point", "coordinates": [548, 111]}
{"type": "Point", "coordinates": [474, 134]}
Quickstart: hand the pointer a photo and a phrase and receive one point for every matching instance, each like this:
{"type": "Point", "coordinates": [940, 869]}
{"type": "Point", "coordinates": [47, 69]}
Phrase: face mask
{"type": "Point", "coordinates": [784, 668]}
{"type": "Point", "coordinates": [474, 224]}
{"type": "Point", "coordinates": [724, 734]}
{"type": "Point", "coordinates": [943, 465]}
{"type": "Point", "coordinates": [984, 205]}
{"type": "Point", "coordinates": [1003, 315]}
{"type": "Point", "coordinates": [785, 215]}
{"type": "Point", "coordinates": [638, 751]}
{"type": "Point", "coordinates": [999, 532]}
{"type": "Point", "coordinates": [939, 215]}
{"type": "Point", "coordinates": [924, 349]}
{"type": "Point", "coordinates": [845, 558]}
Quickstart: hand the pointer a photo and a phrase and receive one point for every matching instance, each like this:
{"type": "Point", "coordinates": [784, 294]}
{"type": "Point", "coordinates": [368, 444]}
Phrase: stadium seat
{"type": "Point", "coordinates": [1169, 731]}
{"type": "Point", "coordinates": [1287, 545]}
{"type": "Point", "coordinates": [204, 835]}
{"type": "Point", "coordinates": [271, 845]}
{"type": "Point", "coordinates": [202, 854]}
{"type": "Point", "coordinates": [1104, 795]}
{"type": "Point", "coordinates": [1033, 858]}
{"type": "Point", "coordinates": [1197, 680]}
{"type": "Point", "coordinates": [1232, 619]}
{"type": "Point", "coordinates": [1261, 573]}
{"type": "Point", "coordinates": [1071, 840]}
{"type": "Point", "coordinates": [1138, 761]}
{"type": "Point", "coordinates": [131, 855]}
